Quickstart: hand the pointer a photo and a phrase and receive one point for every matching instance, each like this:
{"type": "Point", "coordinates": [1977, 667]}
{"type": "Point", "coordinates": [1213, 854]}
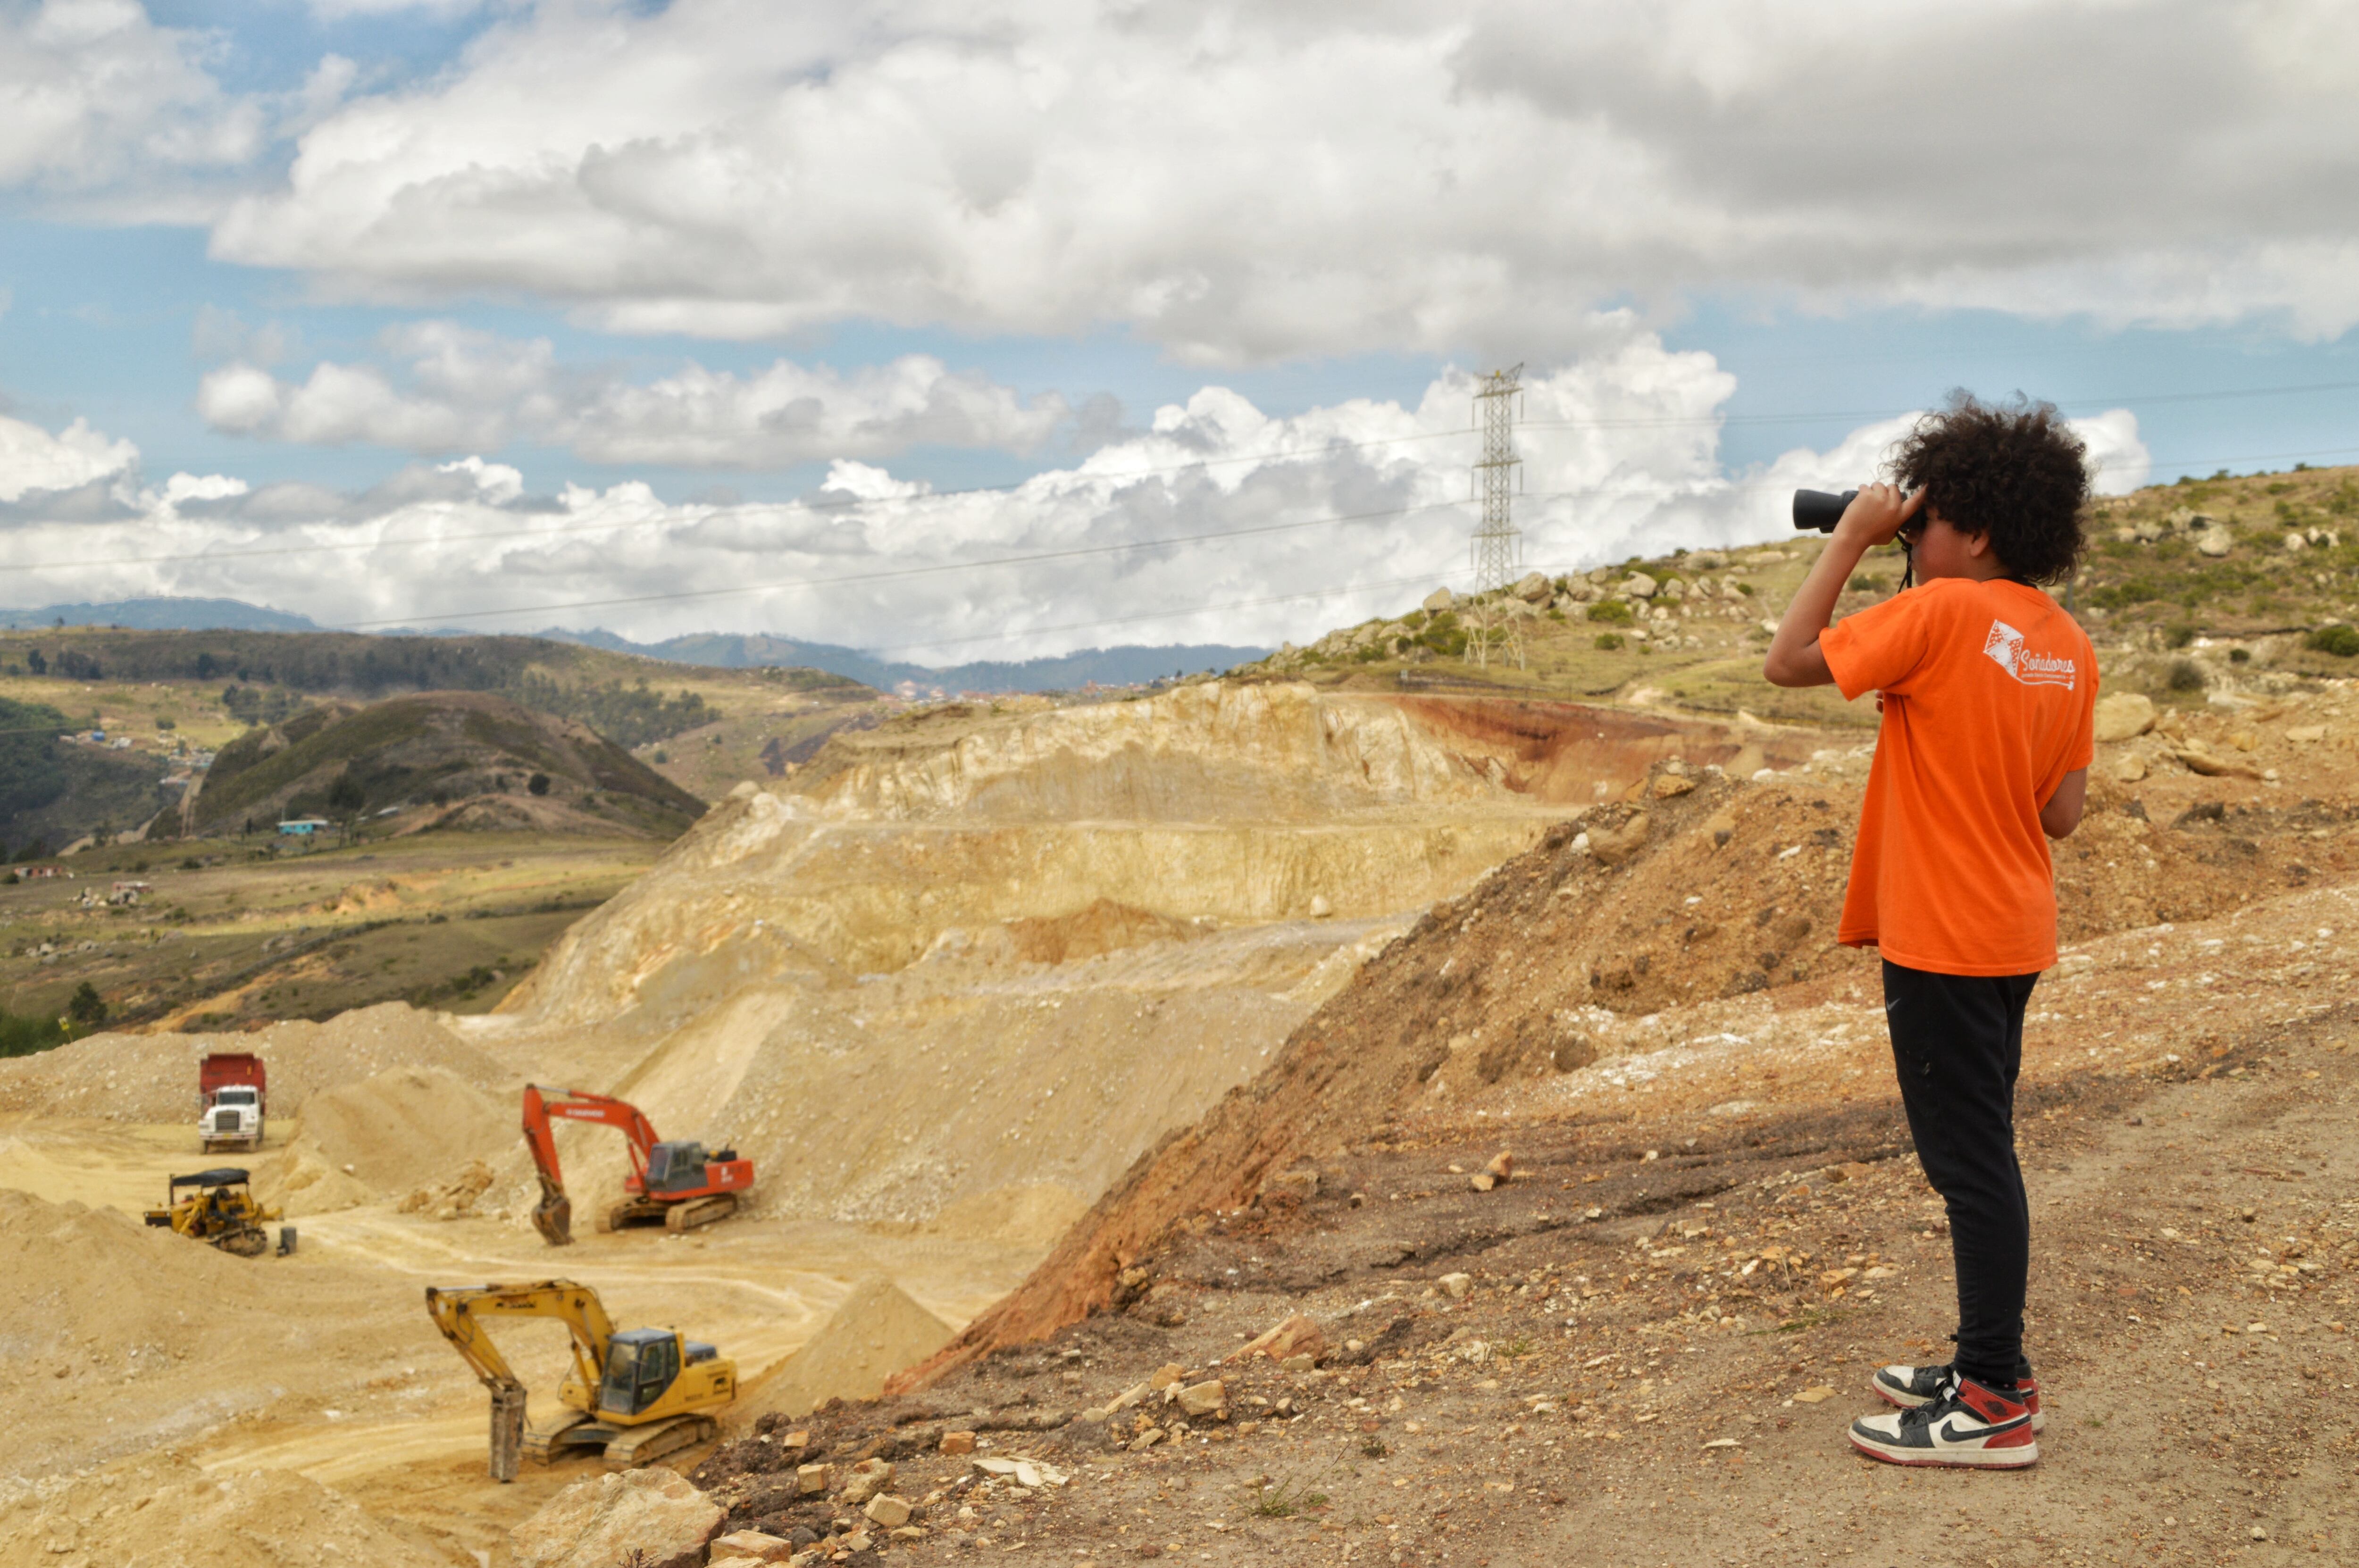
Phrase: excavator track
{"type": "Point", "coordinates": [688, 1215]}
{"type": "Point", "coordinates": [645, 1444]}
{"type": "Point", "coordinates": [546, 1441]}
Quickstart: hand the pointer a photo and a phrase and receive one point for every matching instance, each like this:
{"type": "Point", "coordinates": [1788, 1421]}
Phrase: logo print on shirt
{"type": "Point", "coordinates": [2005, 645]}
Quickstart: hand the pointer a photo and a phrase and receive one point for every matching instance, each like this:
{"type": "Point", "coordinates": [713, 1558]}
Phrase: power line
{"type": "Point", "coordinates": [1128, 475]}
{"type": "Point", "coordinates": [1079, 552]}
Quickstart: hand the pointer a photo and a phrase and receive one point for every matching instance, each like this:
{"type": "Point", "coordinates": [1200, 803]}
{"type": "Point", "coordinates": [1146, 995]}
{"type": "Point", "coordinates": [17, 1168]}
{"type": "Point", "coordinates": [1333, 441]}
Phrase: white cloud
{"type": "Point", "coordinates": [461, 390]}
{"type": "Point", "coordinates": [343, 10]}
{"type": "Point", "coordinates": [1184, 532]}
{"type": "Point", "coordinates": [33, 459]}
{"type": "Point", "coordinates": [92, 92]}
{"type": "Point", "coordinates": [1243, 183]}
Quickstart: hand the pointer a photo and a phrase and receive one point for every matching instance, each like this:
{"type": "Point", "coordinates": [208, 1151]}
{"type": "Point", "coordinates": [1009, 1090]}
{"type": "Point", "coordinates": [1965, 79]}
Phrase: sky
{"type": "Point", "coordinates": [998, 329]}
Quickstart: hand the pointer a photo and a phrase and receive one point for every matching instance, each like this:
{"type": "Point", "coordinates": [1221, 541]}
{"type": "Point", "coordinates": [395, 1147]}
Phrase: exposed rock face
{"type": "Point", "coordinates": [1132, 902]}
{"type": "Point", "coordinates": [654, 1512]}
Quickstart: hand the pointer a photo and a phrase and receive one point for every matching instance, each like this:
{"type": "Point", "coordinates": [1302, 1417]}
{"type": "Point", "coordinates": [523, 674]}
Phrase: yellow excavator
{"type": "Point", "coordinates": [637, 1394]}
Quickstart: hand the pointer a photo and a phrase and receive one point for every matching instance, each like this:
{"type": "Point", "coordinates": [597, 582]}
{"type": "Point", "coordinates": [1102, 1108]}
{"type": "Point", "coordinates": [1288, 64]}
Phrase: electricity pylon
{"type": "Point", "coordinates": [1497, 548]}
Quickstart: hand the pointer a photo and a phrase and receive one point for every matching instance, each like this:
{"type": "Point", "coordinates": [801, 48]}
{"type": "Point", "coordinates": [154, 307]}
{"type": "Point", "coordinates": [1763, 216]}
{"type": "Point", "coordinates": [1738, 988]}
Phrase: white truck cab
{"type": "Point", "coordinates": [234, 1120]}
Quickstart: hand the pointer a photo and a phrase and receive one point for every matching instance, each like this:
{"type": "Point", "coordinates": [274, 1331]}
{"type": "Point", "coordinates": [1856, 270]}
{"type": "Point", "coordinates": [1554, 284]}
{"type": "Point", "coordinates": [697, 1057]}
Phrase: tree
{"type": "Point", "coordinates": [538, 784]}
{"type": "Point", "coordinates": [345, 797]}
{"type": "Point", "coordinates": [87, 1011]}
{"type": "Point", "coordinates": [36, 663]}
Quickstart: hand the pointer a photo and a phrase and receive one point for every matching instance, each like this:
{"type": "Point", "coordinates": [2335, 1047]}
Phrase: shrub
{"type": "Point", "coordinates": [1609, 641]}
{"type": "Point", "coordinates": [538, 784]}
{"type": "Point", "coordinates": [2185, 675]}
{"type": "Point", "coordinates": [87, 1009]}
{"type": "Point", "coordinates": [2179, 636]}
{"type": "Point", "coordinates": [22, 1036]}
{"type": "Point", "coordinates": [1612, 611]}
{"type": "Point", "coordinates": [2240, 656]}
{"type": "Point", "coordinates": [2343, 641]}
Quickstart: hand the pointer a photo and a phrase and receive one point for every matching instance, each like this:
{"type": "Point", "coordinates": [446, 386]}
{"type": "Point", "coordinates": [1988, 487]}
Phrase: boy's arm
{"type": "Point", "coordinates": [1874, 516]}
{"type": "Point", "coordinates": [2062, 812]}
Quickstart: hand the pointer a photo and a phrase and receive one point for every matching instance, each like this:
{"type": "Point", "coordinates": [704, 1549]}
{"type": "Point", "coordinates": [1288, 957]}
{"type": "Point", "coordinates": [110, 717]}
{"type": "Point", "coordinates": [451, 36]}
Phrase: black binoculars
{"type": "Point", "coordinates": [1819, 510]}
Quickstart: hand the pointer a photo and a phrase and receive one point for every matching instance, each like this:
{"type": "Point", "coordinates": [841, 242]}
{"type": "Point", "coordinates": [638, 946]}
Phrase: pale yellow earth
{"type": "Point", "coordinates": [943, 987]}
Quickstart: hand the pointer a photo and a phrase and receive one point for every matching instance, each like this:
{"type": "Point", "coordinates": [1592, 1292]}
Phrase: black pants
{"type": "Point", "coordinates": [1957, 1042]}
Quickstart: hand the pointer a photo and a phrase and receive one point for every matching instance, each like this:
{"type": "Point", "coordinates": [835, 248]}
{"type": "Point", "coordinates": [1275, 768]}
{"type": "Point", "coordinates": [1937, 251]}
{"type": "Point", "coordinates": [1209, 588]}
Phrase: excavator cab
{"type": "Point", "coordinates": [676, 1166]}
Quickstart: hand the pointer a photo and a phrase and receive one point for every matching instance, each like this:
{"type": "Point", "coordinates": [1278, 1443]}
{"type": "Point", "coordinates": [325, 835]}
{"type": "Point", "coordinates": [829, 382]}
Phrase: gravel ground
{"type": "Point", "coordinates": [1656, 1354]}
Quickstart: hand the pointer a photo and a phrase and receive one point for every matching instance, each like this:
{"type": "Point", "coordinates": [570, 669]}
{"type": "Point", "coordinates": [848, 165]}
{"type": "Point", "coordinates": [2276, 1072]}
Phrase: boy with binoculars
{"type": "Point", "coordinates": [1988, 693]}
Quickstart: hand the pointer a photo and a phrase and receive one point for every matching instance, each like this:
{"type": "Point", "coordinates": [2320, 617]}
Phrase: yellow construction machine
{"type": "Point", "coordinates": [637, 1395]}
{"type": "Point", "coordinates": [221, 1210]}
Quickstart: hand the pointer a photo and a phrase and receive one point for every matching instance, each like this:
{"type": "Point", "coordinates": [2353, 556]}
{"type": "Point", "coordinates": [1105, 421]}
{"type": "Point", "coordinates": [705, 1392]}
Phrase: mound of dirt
{"type": "Point", "coordinates": [391, 1135]}
{"type": "Point", "coordinates": [153, 1077]}
{"type": "Point", "coordinates": [161, 1511]}
{"type": "Point", "coordinates": [877, 1332]}
{"type": "Point", "coordinates": [65, 1268]}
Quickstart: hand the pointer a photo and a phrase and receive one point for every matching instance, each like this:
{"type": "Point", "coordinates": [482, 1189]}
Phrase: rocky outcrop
{"type": "Point", "coordinates": [652, 1516]}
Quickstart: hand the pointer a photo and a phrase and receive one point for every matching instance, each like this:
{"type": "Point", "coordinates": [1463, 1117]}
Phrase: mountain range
{"type": "Point", "coordinates": [1125, 665]}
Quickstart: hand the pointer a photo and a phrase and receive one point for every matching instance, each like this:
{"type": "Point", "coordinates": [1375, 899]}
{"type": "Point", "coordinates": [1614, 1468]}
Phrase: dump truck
{"type": "Point", "coordinates": [634, 1395]}
{"type": "Point", "coordinates": [232, 1091]}
{"type": "Point", "coordinates": [677, 1184]}
{"type": "Point", "coordinates": [218, 1207]}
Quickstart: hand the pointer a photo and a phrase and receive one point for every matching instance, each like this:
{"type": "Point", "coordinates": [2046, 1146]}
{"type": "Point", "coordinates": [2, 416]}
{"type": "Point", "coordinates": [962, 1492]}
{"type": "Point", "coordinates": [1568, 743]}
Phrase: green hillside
{"type": "Point", "coordinates": [430, 754]}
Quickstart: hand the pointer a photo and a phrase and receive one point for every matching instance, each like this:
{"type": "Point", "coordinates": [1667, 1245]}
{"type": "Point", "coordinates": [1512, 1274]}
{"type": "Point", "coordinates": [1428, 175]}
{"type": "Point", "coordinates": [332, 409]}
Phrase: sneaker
{"type": "Point", "coordinates": [1909, 1387]}
{"type": "Point", "coordinates": [1966, 1426]}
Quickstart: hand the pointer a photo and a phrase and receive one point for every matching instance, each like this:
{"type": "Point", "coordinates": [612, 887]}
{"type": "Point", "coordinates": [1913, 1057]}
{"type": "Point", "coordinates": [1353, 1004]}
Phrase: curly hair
{"type": "Point", "coordinates": [2015, 470]}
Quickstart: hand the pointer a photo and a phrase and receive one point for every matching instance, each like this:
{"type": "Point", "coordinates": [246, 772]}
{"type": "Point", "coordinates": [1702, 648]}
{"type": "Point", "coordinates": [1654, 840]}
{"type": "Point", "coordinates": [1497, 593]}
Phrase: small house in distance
{"type": "Point", "coordinates": [303, 827]}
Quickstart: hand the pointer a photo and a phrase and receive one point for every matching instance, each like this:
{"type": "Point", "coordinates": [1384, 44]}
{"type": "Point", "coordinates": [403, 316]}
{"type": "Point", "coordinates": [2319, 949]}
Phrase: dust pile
{"type": "Point", "coordinates": [153, 1077]}
{"type": "Point", "coordinates": [161, 1511]}
{"type": "Point", "coordinates": [119, 1337]}
{"type": "Point", "coordinates": [391, 1135]}
{"type": "Point", "coordinates": [875, 1333]}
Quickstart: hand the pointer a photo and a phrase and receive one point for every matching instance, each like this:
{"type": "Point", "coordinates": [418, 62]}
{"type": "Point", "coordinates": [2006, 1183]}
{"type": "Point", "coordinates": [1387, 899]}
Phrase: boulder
{"type": "Point", "coordinates": [1440, 600]}
{"type": "Point", "coordinates": [2123, 714]}
{"type": "Point", "coordinates": [1534, 588]}
{"type": "Point", "coordinates": [888, 1510]}
{"type": "Point", "coordinates": [2213, 542]}
{"type": "Point", "coordinates": [1204, 1398]}
{"type": "Point", "coordinates": [868, 1477]}
{"type": "Point", "coordinates": [1639, 585]}
{"type": "Point", "coordinates": [1296, 1335]}
{"type": "Point", "coordinates": [751, 1545]}
{"type": "Point", "coordinates": [598, 1522]}
{"type": "Point", "coordinates": [1612, 847]}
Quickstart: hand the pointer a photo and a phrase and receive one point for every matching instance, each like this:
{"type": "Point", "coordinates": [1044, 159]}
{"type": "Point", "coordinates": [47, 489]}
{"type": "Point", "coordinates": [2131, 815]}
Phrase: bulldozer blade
{"type": "Point", "coordinates": [553, 1218]}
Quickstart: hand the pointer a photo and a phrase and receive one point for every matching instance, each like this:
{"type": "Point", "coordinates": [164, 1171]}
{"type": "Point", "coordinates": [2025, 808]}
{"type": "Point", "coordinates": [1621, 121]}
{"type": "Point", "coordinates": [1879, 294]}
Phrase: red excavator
{"type": "Point", "coordinates": [677, 1185]}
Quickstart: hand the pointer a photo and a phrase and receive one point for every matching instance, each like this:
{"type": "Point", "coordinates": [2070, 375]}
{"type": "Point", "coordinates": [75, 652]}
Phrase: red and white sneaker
{"type": "Point", "coordinates": [1967, 1426]}
{"type": "Point", "coordinates": [1909, 1387]}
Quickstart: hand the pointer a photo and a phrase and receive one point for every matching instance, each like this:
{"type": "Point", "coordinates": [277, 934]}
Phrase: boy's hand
{"type": "Point", "coordinates": [1876, 514]}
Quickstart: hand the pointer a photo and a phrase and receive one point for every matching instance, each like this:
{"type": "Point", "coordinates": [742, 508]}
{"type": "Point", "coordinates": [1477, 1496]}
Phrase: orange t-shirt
{"type": "Point", "coordinates": [1990, 697]}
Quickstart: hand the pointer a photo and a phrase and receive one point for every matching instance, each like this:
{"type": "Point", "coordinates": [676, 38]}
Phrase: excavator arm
{"type": "Point", "coordinates": [553, 1215]}
{"type": "Point", "coordinates": [460, 1313]}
